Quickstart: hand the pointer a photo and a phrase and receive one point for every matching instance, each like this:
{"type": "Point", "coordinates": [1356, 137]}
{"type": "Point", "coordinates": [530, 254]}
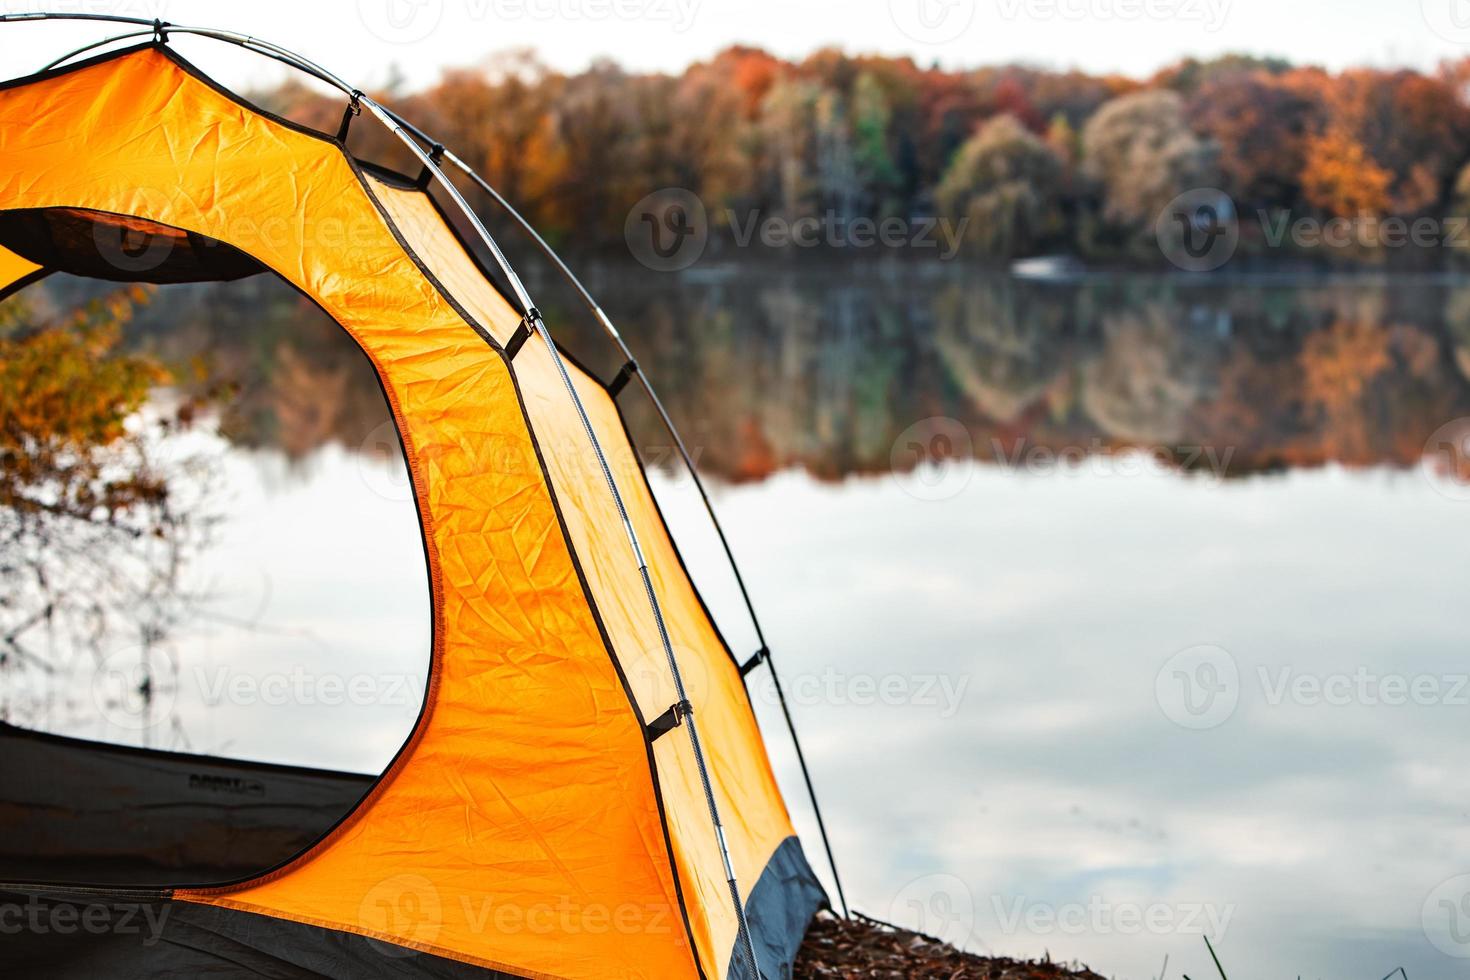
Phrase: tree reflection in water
{"type": "Point", "coordinates": [804, 367]}
{"type": "Point", "coordinates": [102, 504]}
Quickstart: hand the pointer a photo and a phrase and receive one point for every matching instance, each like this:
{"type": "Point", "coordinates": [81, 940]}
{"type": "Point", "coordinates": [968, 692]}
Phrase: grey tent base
{"type": "Point", "coordinates": [780, 908]}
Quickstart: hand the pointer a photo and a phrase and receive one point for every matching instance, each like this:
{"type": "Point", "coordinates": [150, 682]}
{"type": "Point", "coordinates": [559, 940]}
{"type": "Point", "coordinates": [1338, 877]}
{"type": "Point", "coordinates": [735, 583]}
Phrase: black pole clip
{"type": "Point", "coordinates": [436, 157]}
{"type": "Point", "coordinates": [354, 109]}
{"type": "Point", "coordinates": [160, 31]}
{"type": "Point", "coordinates": [518, 339]}
{"type": "Point", "coordinates": [669, 720]}
{"type": "Point", "coordinates": [758, 658]}
{"type": "Point", "coordinates": [620, 381]}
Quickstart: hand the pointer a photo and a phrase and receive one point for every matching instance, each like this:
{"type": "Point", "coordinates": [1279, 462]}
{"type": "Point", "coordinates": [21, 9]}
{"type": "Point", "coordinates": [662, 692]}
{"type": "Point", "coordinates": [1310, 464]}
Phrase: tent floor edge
{"type": "Point", "coordinates": [780, 908]}
{"type": "Point", "coordinates": [65, 935]}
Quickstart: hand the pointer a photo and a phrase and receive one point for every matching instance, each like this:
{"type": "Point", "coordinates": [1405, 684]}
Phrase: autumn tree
{"type": "Point", "coordinates": [97, 515]}
{"type": "Point", "coordinates": [1002, 186]}
{"type": "Point", "coordinates": [1141, 152]}
{"type": "Point", "coordinates": [1264, 127]}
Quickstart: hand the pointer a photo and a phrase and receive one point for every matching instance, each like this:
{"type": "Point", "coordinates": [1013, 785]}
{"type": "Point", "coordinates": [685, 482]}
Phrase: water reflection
{"type": "Point", "coordinates": [102, 503]}
{"type": "Point", "coordinates": [821, 371]}
{"type": "Point", "coordinates": [1048, 775]}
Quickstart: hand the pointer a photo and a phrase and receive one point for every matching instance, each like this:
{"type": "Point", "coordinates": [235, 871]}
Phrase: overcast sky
{"type": "Point", "coordinates": [360, 39]}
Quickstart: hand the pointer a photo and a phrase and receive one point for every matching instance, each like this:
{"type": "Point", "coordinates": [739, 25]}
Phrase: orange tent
{"type": "Point", "coordinates": [555, 812]}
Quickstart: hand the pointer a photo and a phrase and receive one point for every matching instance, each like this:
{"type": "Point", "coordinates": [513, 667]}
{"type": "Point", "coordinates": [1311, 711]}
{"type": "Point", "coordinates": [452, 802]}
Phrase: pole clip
{"type": "Point", "coordinates": [353, 110]}
{"type": "Point", "coordinates": [160, 31]}
{"type": "Point", "coordinates": [624, 375]}
{"type": "Point", "coordinates": [756, 659]}
{"type": "Point", "coordinates": [669, 720]}
{"type": "Point", "coordinates": [518, 339]}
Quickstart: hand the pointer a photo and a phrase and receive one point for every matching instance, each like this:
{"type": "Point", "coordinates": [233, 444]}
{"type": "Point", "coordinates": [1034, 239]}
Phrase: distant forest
{"type": "Point", "coordinates": [1041, 162]}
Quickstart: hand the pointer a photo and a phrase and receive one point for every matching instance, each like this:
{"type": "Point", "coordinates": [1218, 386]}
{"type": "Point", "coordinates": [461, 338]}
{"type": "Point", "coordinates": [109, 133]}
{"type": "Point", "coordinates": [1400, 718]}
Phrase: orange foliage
{"type": "Point", "coordinates": [1340, 178]}
{"type": "Point", "coordinates": [67, 395]}
{"type": "Point", "coordinates": [1340, 362]}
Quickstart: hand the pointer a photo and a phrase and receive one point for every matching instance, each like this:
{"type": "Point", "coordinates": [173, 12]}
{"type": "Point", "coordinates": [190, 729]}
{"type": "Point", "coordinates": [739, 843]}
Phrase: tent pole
{"type": "Point", "coordinates": [668, 423]}
{"type": "Point", "coordinates": [538, 326]}
{"type": "Point", "coordinates": [401, 128]}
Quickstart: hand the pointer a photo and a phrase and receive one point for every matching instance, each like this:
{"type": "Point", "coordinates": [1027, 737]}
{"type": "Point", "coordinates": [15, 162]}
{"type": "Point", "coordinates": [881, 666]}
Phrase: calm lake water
{"type": "Point", "coordinates": [1116, 612]}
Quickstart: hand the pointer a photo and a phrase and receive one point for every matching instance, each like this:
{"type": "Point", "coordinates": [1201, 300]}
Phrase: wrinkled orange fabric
{"type": "Point", "coordinates": [526, 797]}
{"type": "Point", "coordinates": [521, 828]}
{"type": "Point", "coordinates": [745, 787]}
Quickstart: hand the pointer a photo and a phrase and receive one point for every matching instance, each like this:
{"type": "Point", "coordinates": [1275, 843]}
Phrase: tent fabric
{"type": "Point", "coordinates": [87, 812]}
{"type": "Point", "coordinates": [530, 789]}
{"type": "Point", "coordinates": [47, 934]}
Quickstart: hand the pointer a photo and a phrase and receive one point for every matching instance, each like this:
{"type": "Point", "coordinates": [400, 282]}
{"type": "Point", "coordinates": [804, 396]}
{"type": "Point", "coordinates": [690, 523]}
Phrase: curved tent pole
{"type": "Point", "coordinates": [683, 710]}
{"type": "Point", "coordinates": [534, 322]}
{"type": "Point", "coordinates": [764, 653]}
